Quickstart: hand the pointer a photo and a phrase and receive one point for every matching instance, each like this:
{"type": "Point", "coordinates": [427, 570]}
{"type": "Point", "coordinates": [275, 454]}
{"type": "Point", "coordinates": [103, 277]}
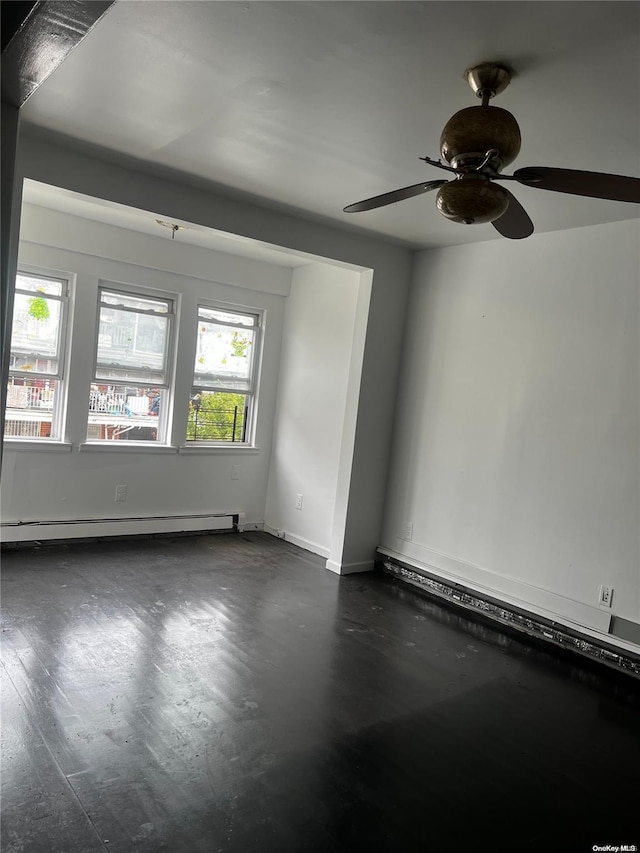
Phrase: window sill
{"type": "Point", "coordinates": [231, 447]}
{"type": "Point", "coordinates": [125, 447]}
{"type": "Point", "coordinates": [42, 446]}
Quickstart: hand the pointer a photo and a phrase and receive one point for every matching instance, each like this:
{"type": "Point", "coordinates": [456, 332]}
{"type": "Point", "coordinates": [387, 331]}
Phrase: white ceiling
{"type": "Point", "coordinates": [315, 105]}
{"type": "Point", "coordinates": [146, 222]}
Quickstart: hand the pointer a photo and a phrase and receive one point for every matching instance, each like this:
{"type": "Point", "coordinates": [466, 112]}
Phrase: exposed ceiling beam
{"type": "Point", "coordinates": [39, 37]}
{"type": "Point", "coordinates": [13, 17]}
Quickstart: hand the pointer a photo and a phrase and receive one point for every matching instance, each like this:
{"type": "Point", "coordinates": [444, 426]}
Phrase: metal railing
{"type": "Point", "coordinates": [212, 424]}
{"type": "Point", "coordinates": [111, 402]}
{"type": "Point", "coordinates": [29, 397]}
{"type": "Point", "coordinates": [25, 429]}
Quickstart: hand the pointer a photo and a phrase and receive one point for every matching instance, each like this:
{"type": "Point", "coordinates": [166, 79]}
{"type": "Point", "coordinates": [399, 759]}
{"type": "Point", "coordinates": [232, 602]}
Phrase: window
{"type": "Point", "coordinates": [36, 367]}
{"type": "Point", "coordinates": [129, 397]}
{"type": "Point", "coordinates": [223, 389]}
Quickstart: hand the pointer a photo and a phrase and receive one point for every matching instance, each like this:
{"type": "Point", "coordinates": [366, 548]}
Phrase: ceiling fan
{"type": "Point", "coordinates": [475, 145]}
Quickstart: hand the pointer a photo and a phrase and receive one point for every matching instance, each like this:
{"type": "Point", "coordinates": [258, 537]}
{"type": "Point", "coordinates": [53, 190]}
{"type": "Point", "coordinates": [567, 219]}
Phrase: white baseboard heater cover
{"type": "Point", "coordinates": [79, 528]}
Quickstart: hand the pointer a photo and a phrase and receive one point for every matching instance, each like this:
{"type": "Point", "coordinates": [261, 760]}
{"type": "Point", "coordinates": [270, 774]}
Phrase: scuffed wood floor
{"type": "Point", "coordinates": [227, 693]}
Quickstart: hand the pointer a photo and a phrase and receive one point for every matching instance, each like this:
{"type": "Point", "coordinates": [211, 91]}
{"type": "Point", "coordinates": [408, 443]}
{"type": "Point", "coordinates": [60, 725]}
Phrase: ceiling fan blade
{"type": "Point", "coordinates": [514, 222]}
{"type": "Point", "coordinates": [396, 195]}
{"type": "Point", "coordinates": [593, 184]}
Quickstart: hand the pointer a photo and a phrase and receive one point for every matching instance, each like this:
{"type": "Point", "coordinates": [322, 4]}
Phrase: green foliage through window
{"type": "Point", "coordinates": [216, 416]}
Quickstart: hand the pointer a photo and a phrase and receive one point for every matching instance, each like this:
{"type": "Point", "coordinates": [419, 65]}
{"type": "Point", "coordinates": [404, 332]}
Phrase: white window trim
{"type": "Point", "coordinates": [58, 418]}
{"type": "Point", "coordinates": [38, 445]}
{"type": "Point", "coordinates": [225, 447]}
{"type": "Point", "coordinates": [166, 415]}
{"type": "Point", "coordinates": [125, 447]}
{"type": "Point", "coordinates": [251, 395]}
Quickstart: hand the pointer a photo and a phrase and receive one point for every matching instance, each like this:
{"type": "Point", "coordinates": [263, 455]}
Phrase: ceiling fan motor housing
{"type": "Point", "coordinates": [472, 199]}
{"type": "Point", "coordinates": [473, 131]}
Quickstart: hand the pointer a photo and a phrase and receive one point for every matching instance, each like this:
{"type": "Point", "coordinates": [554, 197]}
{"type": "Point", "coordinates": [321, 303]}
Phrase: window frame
{"type": "Point", "coordinates": [250, 395]}
{"type": "Point", "coordinates": [58, 414]}
{"type": "Point", "coordinates": [164, 420]}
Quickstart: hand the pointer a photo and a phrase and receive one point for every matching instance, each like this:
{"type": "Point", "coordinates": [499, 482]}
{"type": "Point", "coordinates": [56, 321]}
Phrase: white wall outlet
{"type": "Point", "coordinates": [121, 493]}
{"type": "Point", "coordinates": [298, 501]}
{"type": "Point", "coordinates": [605, 595]}
{"type": "Point", "coordinates": [407, 530]}
{"type": "Point", "coordinates": [235, 472]}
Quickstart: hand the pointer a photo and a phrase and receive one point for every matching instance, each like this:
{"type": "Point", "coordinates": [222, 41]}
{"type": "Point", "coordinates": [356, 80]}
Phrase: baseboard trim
{"type": "Point", "coordinates": [250, 526]}
{"type": "Point", "coordinates": [534, 625]}
{"type": "Point", "coordinates": [300, 541]}
{"type": "Point", "coordinates": [350, 568]}
{"type": "Point", "coordinates": [307, 545]}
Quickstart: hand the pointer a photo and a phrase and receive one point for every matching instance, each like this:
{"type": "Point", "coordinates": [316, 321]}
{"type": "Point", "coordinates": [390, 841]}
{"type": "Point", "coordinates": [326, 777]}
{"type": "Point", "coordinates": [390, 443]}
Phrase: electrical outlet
{"type": "Point", "coordinates": [121, 493]}
{"type": "Point", "coordinates": [298, 501]}
{"type": "Point", "coordinates": [605, 595]}
{"type": "Point", "coordinates": [235, 472]}
{"type": "Point", "coordinates": [407, 530]}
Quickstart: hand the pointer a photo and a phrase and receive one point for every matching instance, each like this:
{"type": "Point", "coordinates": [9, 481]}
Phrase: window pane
{"type": "Point", "coordinates": [39, 285]}
{"type": "Point", "coordinates": [132, 346]}
{"type": "Point", "coordinates": [226, 316]}
{"type": "Point", "coordinates": [123, 413]}
{"type": "Point", "coordinates": [133, 301]}
{"type": "Point", "coordinates": [216, 416]}
{"type": "Point", "coordinates": [30, 407]}
{"type": "Point", "coordinates": [35, 333]}
{"type": "Point", "coordinates": [224, 356]}
{"type": "Point", "coordinates": [115, 374]}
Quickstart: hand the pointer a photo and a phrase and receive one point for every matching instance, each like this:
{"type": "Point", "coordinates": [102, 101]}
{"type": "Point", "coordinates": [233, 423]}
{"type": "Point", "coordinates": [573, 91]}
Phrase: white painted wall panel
{"type": "Point", "coordinates": [316, 360]}
{"type": "Point", "coordinates": [517, 443]}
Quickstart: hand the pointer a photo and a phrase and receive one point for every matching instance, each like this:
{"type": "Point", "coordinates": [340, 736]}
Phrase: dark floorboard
{"type": "Point", "coordinates": [227, 693]}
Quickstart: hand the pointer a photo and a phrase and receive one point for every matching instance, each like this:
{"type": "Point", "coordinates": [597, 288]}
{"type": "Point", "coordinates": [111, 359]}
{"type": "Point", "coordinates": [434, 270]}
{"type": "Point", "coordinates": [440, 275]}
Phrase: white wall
{"type": "Point", "coordinates": [310, 420]}
{"type": "Point", "coordinates": [51, 159]}
{"type": "Point", "coordinates": [79, 481]}
{"type": "Point", "coordinates": [517, 442]}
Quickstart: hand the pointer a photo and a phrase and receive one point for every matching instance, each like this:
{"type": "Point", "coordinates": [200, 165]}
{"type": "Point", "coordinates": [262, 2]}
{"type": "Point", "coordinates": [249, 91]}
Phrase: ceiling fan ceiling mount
{"type": "Point", "coordinates": [475, 145]}
{"type": "Point", "coordinates": [488, 79]}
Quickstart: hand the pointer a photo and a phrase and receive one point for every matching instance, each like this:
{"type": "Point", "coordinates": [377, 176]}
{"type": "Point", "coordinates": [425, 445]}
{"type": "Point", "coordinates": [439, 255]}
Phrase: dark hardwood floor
{"type": "Point", "coordinates": [227, 693]}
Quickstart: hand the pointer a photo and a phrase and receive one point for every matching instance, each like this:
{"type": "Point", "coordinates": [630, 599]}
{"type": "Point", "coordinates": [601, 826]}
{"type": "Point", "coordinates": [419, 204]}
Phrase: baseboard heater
{"type": "Point", "coordinates": [534, 626]}
{"type": "Point", "coordinates": [14, 532]}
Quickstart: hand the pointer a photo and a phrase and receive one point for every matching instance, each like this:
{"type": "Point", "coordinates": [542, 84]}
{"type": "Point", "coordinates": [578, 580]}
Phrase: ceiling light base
{"type": "Point", "coordinates": [472, 199]}
{"type": "Point", "coordinates": [488, 79]}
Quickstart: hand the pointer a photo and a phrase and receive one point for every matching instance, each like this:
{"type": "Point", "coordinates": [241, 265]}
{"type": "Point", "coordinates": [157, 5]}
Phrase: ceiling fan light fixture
{"type": "Point", "coordinates": [479, 129]}
{"type": "Point", "coordinates": [472, 200]}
